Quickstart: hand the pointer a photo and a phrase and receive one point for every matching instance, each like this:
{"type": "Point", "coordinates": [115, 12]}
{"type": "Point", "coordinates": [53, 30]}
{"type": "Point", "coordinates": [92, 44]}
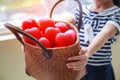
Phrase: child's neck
{"type": "Point", "coordinates": [100, 8]}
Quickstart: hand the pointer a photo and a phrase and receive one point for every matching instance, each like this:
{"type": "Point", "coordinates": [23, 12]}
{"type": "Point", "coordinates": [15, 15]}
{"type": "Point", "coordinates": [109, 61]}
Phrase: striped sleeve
{"type": "Point", "coordinates": [115, 20]}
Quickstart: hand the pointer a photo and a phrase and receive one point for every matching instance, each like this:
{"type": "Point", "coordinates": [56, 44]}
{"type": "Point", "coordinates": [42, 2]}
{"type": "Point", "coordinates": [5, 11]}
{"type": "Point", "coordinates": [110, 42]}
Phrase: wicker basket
{"type": "Point", "coordinates": [54, 68]}
{"type": "Point", "coordinates": [48, 63]}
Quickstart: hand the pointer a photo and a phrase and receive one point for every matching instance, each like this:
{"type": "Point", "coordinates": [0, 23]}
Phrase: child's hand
{"type": "Point", "coordinates": [79, 62]}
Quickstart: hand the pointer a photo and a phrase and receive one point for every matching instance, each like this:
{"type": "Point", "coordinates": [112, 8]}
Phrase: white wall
{"type": "Point", "coordinates": [116, 58]}
{"type": "Point", "coordinates": [12, 66]}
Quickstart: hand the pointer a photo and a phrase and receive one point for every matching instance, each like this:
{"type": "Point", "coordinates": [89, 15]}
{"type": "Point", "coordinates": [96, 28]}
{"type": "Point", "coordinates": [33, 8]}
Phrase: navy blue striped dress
{"type": "Point", "coordinates": [97, 21]}
{"type": "Point", "coordinates": [99, 65]}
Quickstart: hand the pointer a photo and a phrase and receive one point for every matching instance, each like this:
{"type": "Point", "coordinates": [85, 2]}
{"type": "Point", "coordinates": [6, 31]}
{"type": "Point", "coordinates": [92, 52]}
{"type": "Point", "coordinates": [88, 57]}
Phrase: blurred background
{"type": "Point", "coordinates": [12, 64]}
{"type": "Point", "coordinates": [21, 9]}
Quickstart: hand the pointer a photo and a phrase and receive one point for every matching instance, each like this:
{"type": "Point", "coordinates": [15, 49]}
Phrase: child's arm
{"type": "Point", "coordinates": [108, 31]}
{"type": "Point", "coordinates": [81, 60]}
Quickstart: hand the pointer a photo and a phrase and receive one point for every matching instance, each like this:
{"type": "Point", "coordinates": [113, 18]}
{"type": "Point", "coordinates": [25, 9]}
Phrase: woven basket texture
{"type": "Point", "coordinates": [55, 68]}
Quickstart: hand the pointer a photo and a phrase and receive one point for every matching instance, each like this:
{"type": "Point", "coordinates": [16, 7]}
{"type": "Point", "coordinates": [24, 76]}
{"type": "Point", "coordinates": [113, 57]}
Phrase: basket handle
{"type": "Point", "coordinates": [80, 13]}
{"type": "Point", "coordinates": [16, 31]}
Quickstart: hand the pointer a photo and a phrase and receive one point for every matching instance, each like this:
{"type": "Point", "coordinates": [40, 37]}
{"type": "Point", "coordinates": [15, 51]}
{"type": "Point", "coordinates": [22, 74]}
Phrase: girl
{"type": "Point", "coordinates": [101, 25]}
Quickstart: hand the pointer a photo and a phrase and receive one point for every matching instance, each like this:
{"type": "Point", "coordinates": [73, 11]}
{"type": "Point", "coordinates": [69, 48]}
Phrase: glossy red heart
{"type": "Point", "coordinates": [62, 26]}
{"type": "Point", "coordinates": [50, 34]}
{"type": "Point", "coordinates": [64, 39]}
{"type": "Point", "coordinates": [45, 22]}
{"type": "Point", "coordinates": [71, 32]}
{"type": "Point", "coordinates": [45, 42]}
{"type": "Point", "coordinates": [35, 32]}
{"type": "Point", "coordinates": [29, 23]}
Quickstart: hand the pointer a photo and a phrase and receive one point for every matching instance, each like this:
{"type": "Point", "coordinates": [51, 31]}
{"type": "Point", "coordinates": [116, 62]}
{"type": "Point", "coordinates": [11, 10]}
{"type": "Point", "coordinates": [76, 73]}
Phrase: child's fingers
{"type": "Point", "coordinates": [82, 51]}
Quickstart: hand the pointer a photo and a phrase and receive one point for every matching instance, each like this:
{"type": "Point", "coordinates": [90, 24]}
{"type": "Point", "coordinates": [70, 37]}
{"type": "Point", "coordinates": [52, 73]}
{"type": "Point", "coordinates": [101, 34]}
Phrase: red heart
{"type": "Point", "coordinates": [64, 39]}
{"type": "Point", "coordinates": [50, 34]}
{"type": "Point", "coordinates": [35, 32]}
{"type": "Point", "coordinates": [45, 42]}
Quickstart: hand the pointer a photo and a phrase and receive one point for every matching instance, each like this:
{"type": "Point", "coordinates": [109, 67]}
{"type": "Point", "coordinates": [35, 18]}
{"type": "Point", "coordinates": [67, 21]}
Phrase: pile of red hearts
{"type": "Point", "coordinates": [48, 32]}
